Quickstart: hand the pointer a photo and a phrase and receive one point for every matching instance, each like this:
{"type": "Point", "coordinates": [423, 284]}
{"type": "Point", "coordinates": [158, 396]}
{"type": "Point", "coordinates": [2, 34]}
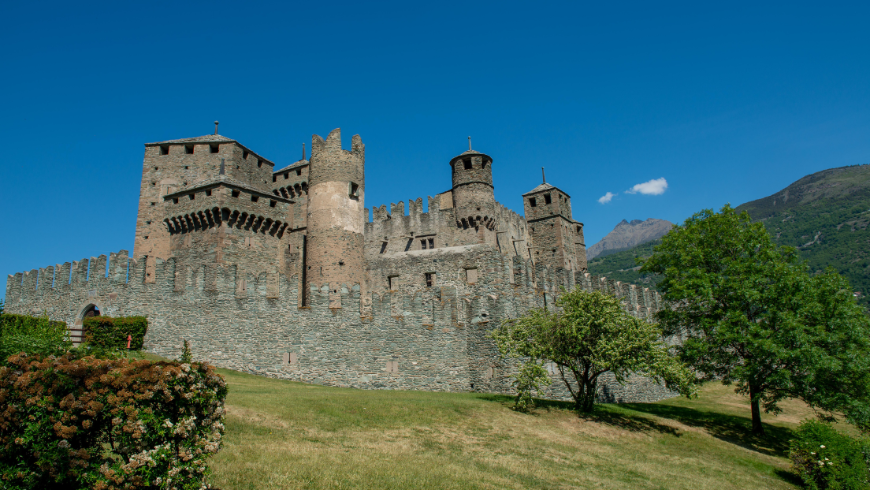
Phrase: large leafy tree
{"type": "Point", "coordinates": [752, 315]}
{"type": "Point", "coordinates": [589, 334]}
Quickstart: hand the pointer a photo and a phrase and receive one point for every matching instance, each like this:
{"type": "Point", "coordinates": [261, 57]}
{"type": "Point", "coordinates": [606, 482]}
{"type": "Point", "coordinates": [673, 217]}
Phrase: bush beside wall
{"type": "Point", "coordinates": [107, 424]}
{"type": "Point", "coordinates": [20, 333]}
{"type": "Point", "coordinates": [108, 332]}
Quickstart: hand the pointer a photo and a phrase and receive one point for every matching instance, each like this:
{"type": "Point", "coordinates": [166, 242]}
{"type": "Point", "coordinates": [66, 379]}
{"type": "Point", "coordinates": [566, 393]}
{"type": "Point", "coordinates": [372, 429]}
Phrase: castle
{"type": "Point", "coordinates": [284, 273]}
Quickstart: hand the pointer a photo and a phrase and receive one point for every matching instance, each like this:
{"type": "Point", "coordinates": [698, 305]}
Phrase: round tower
{"type": "Point", "coordinates": [473, 197]}
{"type": "Point", "coordinates": [334, 249]}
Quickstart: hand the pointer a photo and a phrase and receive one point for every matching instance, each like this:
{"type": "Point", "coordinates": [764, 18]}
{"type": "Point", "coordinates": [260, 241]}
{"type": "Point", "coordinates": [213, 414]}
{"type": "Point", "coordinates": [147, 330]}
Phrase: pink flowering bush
{"type": "Point", "coordinates": [107, 424]}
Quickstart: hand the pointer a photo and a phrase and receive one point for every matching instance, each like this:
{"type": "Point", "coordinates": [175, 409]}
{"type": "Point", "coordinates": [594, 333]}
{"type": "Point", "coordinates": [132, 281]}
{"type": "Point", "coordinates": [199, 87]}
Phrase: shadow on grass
{"type": "Point", "coordinates": [730, 428]}
{"type": "Point", "coordinates": [603, 414]}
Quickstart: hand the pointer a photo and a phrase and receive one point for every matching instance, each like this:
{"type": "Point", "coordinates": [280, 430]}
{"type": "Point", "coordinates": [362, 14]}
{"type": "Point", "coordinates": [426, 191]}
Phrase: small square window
{"type": "Point", "coordinates": [146, 237]}
{"type": "Point", "coordinates": [423, 244]}
{"type": "Point", "coordinates": [430, 279]}
{"type": "Point", "coordinates": [274, 178]}
{"type": "Point", "coordinates": [547, 199]}
{"type": "Point", "coordinates": [393, 283]}
{"type": "Point", "coordinates": [431, 243]}
{"type": "Point", "coordinates": [192, 196]}
{"type": "Point", "coordinates": [164, 150]}
{"type": "Point", "coordinates": [186, 167]}
{"type": "Point", "coordinates": [298, 171]}
{"type": "Point", "coordinates": [214, 148]}
{"type": "Point", "coordinates": [272, 203]}
{"type": "Point", "coordinates": [153, 203]}
{"type": "Point", "coordinates": [235, 193]}
{"type": "Point", "coordinates": [245, 155]}
{"type": "Point", "coordinates": [286, 175]}
{"type": "Point", "coordinates": [471, 276]}
{"type": "Point", "coordinates": [174, 200]}
{"type": "Point", "coordinates": [467, 164]}
{"type": "Point", "coordinates": [255, 198]}
{"type": "Point", "coordinates": [533, 202]}
{"type": "Point", "coordinates": [188, 149]}
{"type": "Point", "coordinates": [353, 190]}
{"type": "Point", "coordinates": [259, 163]}
{"type": "Point", "coordinates": [208, 192]}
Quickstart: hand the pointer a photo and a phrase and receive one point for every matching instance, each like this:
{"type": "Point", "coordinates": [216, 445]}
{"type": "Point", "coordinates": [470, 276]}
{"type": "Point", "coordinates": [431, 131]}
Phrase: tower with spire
{"type": "Point", "coordinates": [556, 239]}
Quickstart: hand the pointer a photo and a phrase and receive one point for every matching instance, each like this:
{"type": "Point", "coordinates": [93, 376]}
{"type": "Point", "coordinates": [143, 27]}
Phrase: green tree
{"type": "Point", "coordinates": [589, 334]}
{"type": "Point", "coordinates": [752, 315]}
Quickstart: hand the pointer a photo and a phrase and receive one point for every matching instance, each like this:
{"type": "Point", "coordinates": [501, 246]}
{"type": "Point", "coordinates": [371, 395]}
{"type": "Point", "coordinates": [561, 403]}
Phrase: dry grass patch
{"type": "Point", "coordinates": [283, 435]}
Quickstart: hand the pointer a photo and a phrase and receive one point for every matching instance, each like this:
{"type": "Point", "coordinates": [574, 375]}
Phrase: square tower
{"type": "Point", "coordinates": [557, 240]}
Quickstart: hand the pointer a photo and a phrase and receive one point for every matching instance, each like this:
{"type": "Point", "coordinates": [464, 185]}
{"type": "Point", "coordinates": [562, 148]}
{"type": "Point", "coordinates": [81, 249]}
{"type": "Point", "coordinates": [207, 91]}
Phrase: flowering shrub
{"type": "Point", "coordinates": [827, 459]}
{"type": "Point", "coordinates": [107, 424]}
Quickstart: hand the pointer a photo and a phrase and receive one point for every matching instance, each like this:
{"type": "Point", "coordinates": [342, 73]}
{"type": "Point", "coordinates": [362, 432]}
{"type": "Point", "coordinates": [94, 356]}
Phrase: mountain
{"type": "Point", "coordinates": [629, 234]}
{"type": "Point", "coordinates": [824, 215]}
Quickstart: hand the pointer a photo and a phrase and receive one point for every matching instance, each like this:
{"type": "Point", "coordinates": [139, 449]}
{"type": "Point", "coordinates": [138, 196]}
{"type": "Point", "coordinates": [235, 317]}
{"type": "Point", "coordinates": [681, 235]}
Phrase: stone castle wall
{"type": "Point", "coordinates": [414, 337]}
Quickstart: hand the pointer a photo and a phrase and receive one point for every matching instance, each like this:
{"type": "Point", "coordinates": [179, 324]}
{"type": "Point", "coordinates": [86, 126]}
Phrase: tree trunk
{"type": "Point", "coordinates": [754, 392]}
{"type": "Point", "coordinates": [586, 394]}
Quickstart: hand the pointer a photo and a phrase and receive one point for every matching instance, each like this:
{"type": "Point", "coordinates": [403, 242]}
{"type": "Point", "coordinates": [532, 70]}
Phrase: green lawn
{"type": "Point", "coordinates": [291, 435]}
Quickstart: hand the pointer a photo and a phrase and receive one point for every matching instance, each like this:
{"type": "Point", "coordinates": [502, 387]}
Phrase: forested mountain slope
{"type": "Point", "coordinates": [824, 215]}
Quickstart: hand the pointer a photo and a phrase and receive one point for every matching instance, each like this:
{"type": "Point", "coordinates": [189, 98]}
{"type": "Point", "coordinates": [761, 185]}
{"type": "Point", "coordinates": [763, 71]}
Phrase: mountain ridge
{"type": "Point", "coordinates": [628, 234]}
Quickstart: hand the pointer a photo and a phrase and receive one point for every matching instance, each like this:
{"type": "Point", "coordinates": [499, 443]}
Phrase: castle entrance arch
{"type": "Point", "coordinates": [77, 332]}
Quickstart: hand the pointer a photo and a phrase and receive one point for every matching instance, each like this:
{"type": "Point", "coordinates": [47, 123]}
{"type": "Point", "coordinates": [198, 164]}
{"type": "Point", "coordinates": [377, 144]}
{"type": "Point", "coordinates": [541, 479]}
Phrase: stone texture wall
{"type": "Point", "coordinates": [415, 337]}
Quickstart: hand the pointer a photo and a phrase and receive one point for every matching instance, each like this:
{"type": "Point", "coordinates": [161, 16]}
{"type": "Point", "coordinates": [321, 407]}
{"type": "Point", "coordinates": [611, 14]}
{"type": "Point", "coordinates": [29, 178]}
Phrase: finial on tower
{"type": "Point", "coordinates": [223, 171]}
{"type": "Point", "coordinates": [469, 143]}
{"type": "Point", "coordinates": [303, 151]}
{"type": "Point", "coordinates": [215, 127]}
{"type": "Point", "coordinates": [543, 175]}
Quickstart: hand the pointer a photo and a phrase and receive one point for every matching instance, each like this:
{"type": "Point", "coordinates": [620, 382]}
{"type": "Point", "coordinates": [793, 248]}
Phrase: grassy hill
{"type": "Point", "coordinates": [621, 265]}
{"type": "Point", "coordinates": [286, 435]}
{"type": "Point", "coordinates": [825, 215]}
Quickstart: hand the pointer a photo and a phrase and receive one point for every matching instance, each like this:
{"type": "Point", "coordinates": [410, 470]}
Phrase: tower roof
{"type": "Point", "coordinates": [467, 153]}
{"type": "Point", "coordinates": [210, 138]}
{"type": "Point", "coordinates": [300, 163]}
{"type": "Point", "coordinates": [545, 187]}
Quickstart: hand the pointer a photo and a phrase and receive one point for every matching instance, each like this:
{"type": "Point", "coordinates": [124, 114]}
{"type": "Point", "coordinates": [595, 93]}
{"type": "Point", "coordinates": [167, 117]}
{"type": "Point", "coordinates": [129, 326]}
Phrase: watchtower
{"type": "Point", "coordinates": [335, 244]}
{"type": "Point", "coordinates": [557, 240]}
{"type": "Point", "coordinates": [473, 198]}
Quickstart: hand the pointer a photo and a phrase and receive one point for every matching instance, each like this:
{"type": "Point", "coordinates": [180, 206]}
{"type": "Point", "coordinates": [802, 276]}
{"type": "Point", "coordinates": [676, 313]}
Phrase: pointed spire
{"type": "Point", "coordinates": [215, 127]}
{"type": "Point", "coordinates": [543, 175]}
{"type": "Point", "coordinates": [303, 151]}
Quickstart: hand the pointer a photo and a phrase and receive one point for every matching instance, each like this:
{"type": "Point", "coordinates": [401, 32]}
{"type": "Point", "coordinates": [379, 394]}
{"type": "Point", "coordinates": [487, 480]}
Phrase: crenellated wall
{"type": "Point", "coordinates": [413, 337]}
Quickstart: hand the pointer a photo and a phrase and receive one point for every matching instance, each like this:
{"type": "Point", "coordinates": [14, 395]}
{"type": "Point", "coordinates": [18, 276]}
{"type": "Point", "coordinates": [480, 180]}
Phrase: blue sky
{"type": "Point", "coordinates": [727, 103]}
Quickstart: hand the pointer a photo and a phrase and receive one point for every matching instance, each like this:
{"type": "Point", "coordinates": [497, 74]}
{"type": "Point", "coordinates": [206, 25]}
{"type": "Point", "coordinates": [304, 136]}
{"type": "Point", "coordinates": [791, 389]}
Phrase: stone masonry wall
{"type": "Point", "coordinates": [416, 337]}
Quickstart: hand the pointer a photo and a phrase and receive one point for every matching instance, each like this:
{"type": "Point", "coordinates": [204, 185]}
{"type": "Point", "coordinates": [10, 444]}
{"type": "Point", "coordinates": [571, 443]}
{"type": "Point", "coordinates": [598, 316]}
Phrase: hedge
{"type": "Point", "coordinates": [20, 333]}
{"type": "Point", "coordinates": [107, 424]}
{"type": "Point", "coordinates": [24, 321]}
{"type": "Point", "coordinates": [111, 332]}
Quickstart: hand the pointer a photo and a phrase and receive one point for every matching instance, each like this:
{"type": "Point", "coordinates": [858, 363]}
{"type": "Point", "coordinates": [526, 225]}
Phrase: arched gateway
{"type": "Point", "coordinates": [77, 331]}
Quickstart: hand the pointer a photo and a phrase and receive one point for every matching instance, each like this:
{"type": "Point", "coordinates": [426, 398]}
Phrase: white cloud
{"type": "Point", "coordinates": [606, 198]}
{"type": "Point", "coordinates": [653, 187]}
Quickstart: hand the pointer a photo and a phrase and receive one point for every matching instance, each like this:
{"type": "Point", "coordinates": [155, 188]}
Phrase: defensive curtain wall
{"type": "Point", "coordinates": [294, 279]}
{"type": "Point", "coordinates": [410, 338]}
